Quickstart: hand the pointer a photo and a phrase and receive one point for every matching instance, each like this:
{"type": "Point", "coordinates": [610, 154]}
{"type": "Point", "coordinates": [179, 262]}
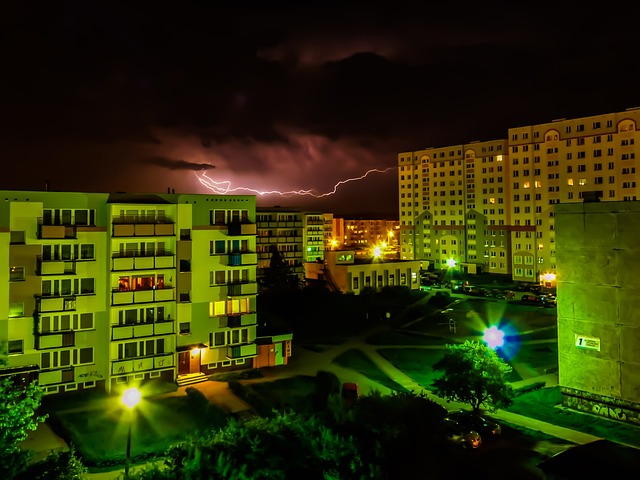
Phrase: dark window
{"type": "Point", "coordinates": [86, 252]}
{"type": "Point", "coordinates": [87, 285]}
{"type": "Point", "coordinates": [130, 350]}
{"type": "Point", "coordinates": [130, 317]}
{"type": "Point", "coordinates": [185, 266]}
{"type": "Point", "coordinates": [219, 339]}
{"type": "Point", "coordinates": [82, 217]}
{"type": "Point", "coordinates": [185, 327]}
{"type": "Point", "coordinates": [86, 320]}
{"type": "Point", "coordinates": [86, 354]}
{"type": "Point", "coordinates": [15, 346]}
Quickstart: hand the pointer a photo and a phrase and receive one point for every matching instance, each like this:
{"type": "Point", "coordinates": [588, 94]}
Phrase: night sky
{"type": "Point", "coordinates": [106, 96]}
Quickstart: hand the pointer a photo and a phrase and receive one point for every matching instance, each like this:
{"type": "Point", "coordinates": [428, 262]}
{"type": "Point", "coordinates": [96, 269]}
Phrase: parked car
{"type": "Point", "coordinates": [487, 429]}
{"type": "Point", "coordinates": [460, 435]}
{"type": "Point", "coordinates": [548, 300]}
{"type": "Point", "coordinates": [530, 300]}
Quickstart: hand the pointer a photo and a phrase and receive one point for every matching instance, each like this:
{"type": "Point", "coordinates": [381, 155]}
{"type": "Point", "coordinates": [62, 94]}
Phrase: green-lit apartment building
{"type": "Point", "coordinates": [489, 205]}
{"type": "Point", "coordinates": [104, 290]}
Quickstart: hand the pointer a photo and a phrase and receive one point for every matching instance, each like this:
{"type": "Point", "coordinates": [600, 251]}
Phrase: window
{"type": "Point", "coordinates": [185, 328]}
{"type": "Point", "coordinates": [219, 339]}
{"type": "Point", "coordinates": [86, 355]}
{"type": "Point", "coordinates": [86, 320]}
{"type": "Point", "coordinates": [86, 252]}
{"type": "Point", "coordinates": [86, 286]}
{"type": "Point", "coordinates": [17, 237]}
{"type": "Point", "coordinates": [16, 274]}
{"type": "Point", "coordinates": [15, 347]}
{"type": "Point", "coordinates": [220, 277]}
{"type": "Point", "coordinates": [185, 266]}
{"type": "Point", "coordinates": [130, 350]}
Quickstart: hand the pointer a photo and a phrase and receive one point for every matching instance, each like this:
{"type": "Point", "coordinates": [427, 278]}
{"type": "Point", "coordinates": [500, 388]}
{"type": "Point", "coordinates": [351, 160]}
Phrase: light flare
{"type": "Point", "coordinates": [224, 186]}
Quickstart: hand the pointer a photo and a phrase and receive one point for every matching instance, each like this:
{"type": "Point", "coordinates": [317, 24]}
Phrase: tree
{"type": "Point", "coordinates": [279, 277]}
{"type": "Point", "coordinates": [473, 373]}
{"type": "Point", "coordinates": [18, 415]}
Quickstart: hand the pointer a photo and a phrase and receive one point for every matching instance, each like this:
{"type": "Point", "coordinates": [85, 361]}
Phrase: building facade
{"type": "Point", "coordinates": [370, 233]}
{"type": "Point", "coordinates": [109, 289]}
{"type": "Point", "coordinates": [489, 206]}
{"type": "Point", "coordinates": [342, 272]}
{"type": "Point", "coordinates": [598, 255]}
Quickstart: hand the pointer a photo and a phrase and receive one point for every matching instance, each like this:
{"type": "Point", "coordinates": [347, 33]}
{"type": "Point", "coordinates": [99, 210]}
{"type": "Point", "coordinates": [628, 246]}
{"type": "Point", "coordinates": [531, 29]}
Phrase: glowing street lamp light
{"type": "Point", "coordinates": [130, 398]}
{"type": "Point", "coordinates": [494, 337]}
{"type": "Point", "coordinates": [377, 252]}
{"type": "Point", "coordinates": [451, 263]}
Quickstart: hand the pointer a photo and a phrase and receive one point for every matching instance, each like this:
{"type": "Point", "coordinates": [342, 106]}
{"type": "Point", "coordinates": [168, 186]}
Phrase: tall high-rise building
{"type": "Point", "coordinates": [110, 289]}
{"type": "Point", "coordinates": [489, 206]}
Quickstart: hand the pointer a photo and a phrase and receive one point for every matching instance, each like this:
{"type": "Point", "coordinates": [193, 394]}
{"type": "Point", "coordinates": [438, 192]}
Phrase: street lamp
{"type": "Point", "coordinates": [130, 398]}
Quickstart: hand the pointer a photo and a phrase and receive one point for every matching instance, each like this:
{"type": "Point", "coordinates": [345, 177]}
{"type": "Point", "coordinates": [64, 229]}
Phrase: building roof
{"type": "Point", "coordinates": [592, 460]}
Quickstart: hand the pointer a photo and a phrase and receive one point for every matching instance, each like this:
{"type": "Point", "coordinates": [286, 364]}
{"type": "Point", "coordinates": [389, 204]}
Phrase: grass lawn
{"type": "Point", "coordinates": [546, 404]}
{"type": "Point", "coordinates": [296, 393]}
{"type": "Point", "coordinates": [415, 362]}
{"type": "Point", "coordinates": [100, 435]}
{"type": "Point", "coordinates": [356, 360]}
{"type": "Point", "coordinates": [398, 337]}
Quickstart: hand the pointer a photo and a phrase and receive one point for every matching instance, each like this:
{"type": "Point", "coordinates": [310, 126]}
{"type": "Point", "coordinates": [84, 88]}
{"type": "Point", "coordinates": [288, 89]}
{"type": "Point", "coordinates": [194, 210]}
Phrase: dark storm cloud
{"type": "Point", "coordinates": [176, 164]}
{"type": "Point", "coordinates": [290, 97]}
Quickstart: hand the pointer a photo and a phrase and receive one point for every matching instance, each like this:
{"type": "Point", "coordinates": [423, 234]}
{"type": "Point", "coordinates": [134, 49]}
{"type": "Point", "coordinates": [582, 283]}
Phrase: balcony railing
{"type": "Point", "coordinates": [55, 303]}
{"type": "Point", "coordinates": [242, 289]}
{"type": "Point", "coordinates": [237, 259]}
{"type": "Point", "coordinates": [242, 320]}
{"type": "Point", "coordinates": [239, 228]}
{"type": "Point", "coordinates": [127, 297]}
{"type": "Point", "coordinates": [55, 231]}
{"type": "Point", "coordinates": [55, 267]}
{"type": "Point", "coordinates": [120, 332]}
{"type": "Point", "coordinates": [143, 229]}
{"type": "Point", "coordinates": [242, 351]}
{"type": "Point", "coordinates": [140, 262]}
{"type": "Point", "coordinates": [141, 364]}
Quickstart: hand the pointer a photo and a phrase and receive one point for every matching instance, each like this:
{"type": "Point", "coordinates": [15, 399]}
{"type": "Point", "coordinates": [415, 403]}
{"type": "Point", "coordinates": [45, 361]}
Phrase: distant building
{"type": "Point", "coordinates": [370, 233]}
{"type": "Point", "coordinates": [343, 272]}
{"type": "Point", "coordinates": [297, 235]}
{"type": "Point", "coordinates": [598, 260]}
{"type": "Point", "coordinates": [490, 203]}
{"type": "Point", "coordinates": [333, 232]}
{"type": "Point", "coordinates": [105, 290]}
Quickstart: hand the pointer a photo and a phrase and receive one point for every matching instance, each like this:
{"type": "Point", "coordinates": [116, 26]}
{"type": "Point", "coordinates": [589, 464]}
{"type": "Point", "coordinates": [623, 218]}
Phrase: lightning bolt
{"type": "Point", "coordinates": [224, 186]}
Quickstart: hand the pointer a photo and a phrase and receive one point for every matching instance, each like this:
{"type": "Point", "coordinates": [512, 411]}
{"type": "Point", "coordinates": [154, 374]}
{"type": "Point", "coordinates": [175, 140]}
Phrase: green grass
{"type": "Point", "coordinates": [296, 393]}
{"type": "Point", "coordinates": [398, 337]}
{"type": "Point", "coordinates": [546, 405]}
{"type": "Point", "coordinates": [357, 360]}
{"type": "Point", "coordinates": [415, 362]}
{"type": "Point", "coordinates": [100, 434]}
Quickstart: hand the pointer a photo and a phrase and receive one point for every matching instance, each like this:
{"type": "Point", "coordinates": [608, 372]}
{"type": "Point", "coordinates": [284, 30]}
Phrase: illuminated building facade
{"type": "Point", "coordinates": [370, 233]}
{"type": "Point", "coordinates": [333, 232]}
{"type": "Point", "coordinates": [598, 258]}
{"type": "Point", "coordinates": [489, 206]}
{"type": "Point", "coordinates": [282, 229]}
{"type": "Point", "coordinates": [344, 273]}
{"type": "Point", "coordinates": [109, 289]}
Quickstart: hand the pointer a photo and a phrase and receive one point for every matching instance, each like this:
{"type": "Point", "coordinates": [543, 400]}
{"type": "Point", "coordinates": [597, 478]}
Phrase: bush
{"type": "Point", "coordinates": [59, 466]}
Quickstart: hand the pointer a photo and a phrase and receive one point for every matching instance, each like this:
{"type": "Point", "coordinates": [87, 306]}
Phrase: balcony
{"type": "Point", "coordinates": [128, 297]}
{"type": "Point", "coordinates": [55, 340]}
{"type": "Point", "coordinates": [242, 320]}
{"type": "Point", "coordinates": [55, 303]}
{"type": "Point", "coordinates": [55, 267]}
{"type": "Point", "coordinates": [242, 351]}
{"type": "Point", "coordinates": [141, 364]}
{"type": "Point", "coordinates": [237, 259]}
{"type": "Point", "coordinates": [121, 332]}
{"type": "Point", "coordinates": [142, 226]}
{"type": "Point", "coordinates": [242, 289]}
{"type": "Point", "coordinates": [135, 261]}
{"type": "Point", "coordinates": [50, 231]}
{"type": "Point", "coordinates": [238, 228]}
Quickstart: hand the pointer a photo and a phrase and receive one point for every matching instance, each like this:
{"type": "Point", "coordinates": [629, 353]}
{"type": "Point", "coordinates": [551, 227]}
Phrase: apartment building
{"type": "Point", "coordinates": [598, 316]}
{"type": "Point", "coordinates": [313, 239]}
{"type": "Point", "coordinates": [110, 289]}
{"type": "Point", "coordinates": [345, 273]}
{"type": "Point", "coordinates": [333, 232]}
{"type": "Point", "coordinates": [369, 232]}
{"type": "Point", "coordinates": [281, 229]}
{"type": "Point", "coordinates": [489, 206]}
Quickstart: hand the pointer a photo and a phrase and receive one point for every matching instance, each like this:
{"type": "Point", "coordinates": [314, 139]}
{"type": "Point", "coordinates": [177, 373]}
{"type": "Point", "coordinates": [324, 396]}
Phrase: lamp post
{"type": "Point", "coordinates": [130, 398]}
